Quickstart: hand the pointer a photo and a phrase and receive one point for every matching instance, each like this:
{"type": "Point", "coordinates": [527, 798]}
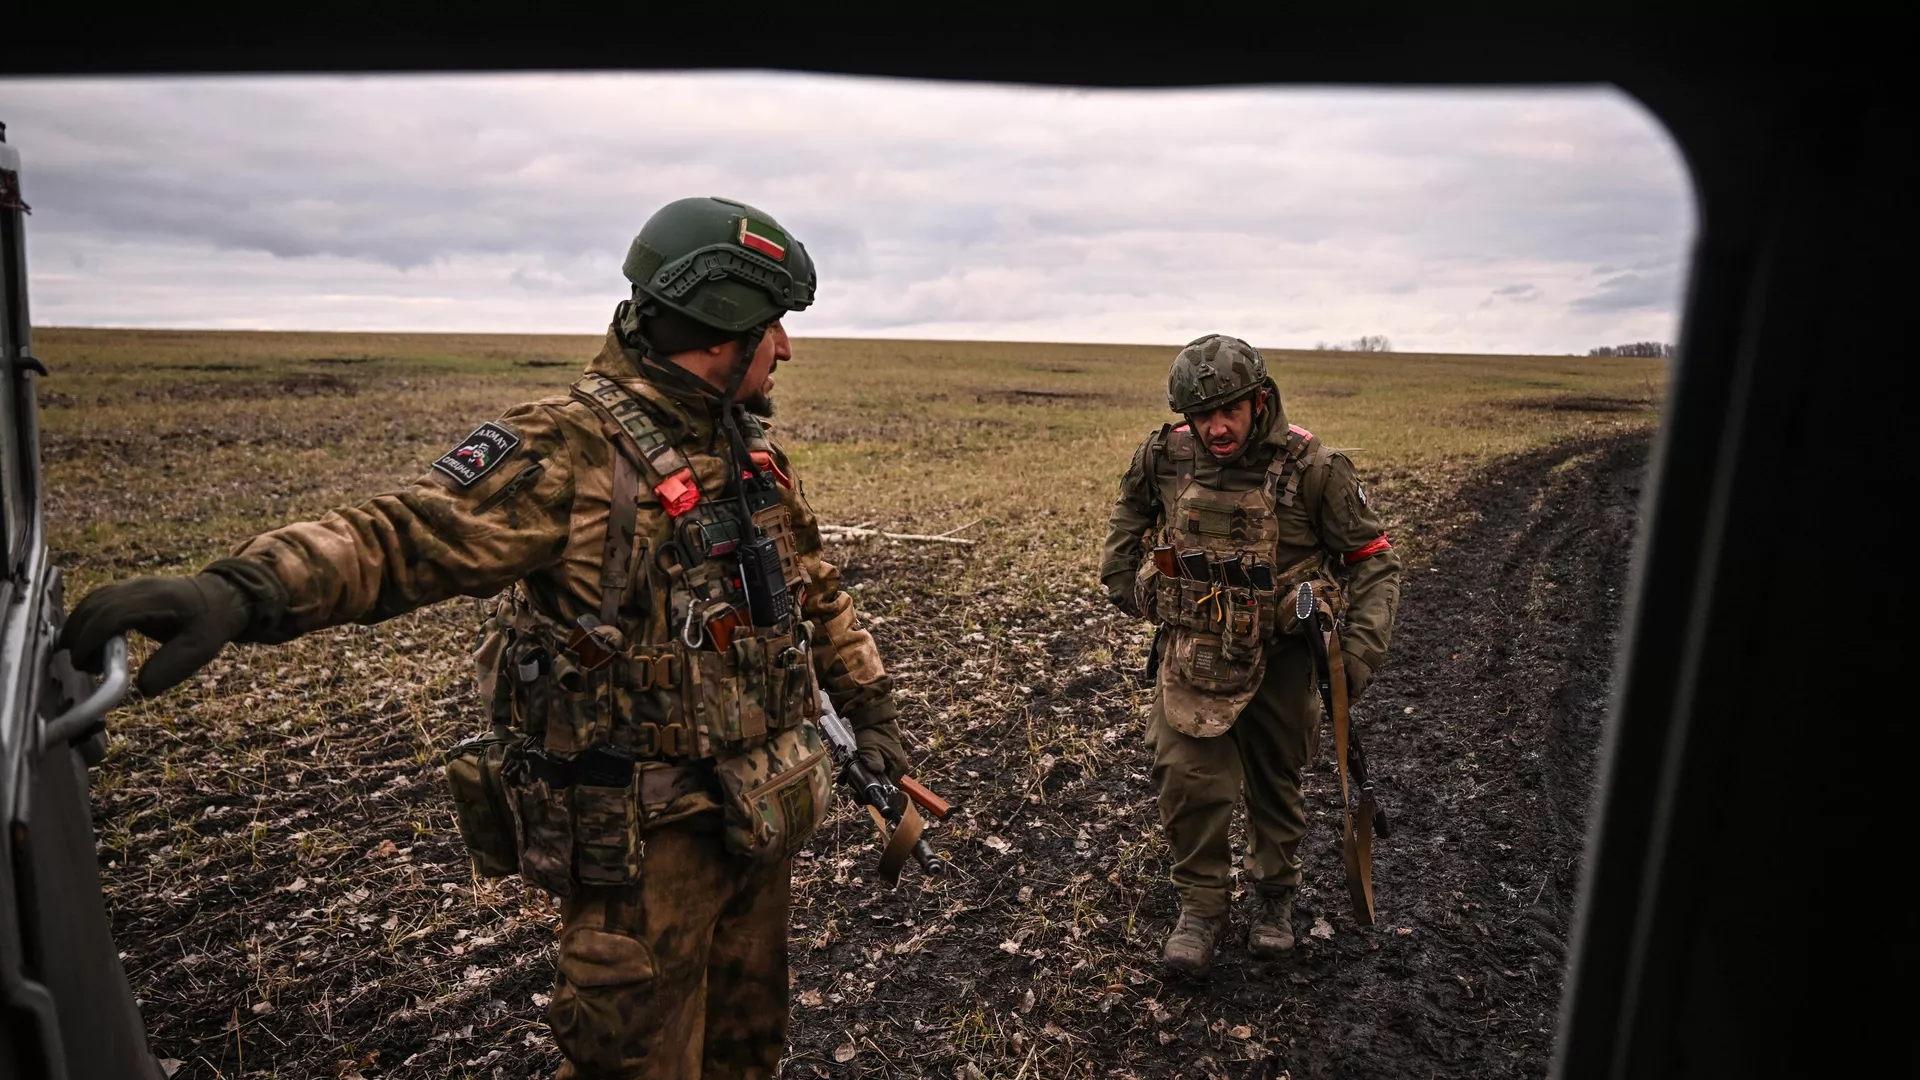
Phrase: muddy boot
{"type": "Point", "coordinates": [1271, 936]}
{"type": "Point", "coordinates": [1190, 947]}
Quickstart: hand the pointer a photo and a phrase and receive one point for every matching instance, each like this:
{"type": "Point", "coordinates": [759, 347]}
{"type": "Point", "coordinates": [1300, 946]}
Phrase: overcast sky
{"type": "Point", "coordinates": [1465, 221]}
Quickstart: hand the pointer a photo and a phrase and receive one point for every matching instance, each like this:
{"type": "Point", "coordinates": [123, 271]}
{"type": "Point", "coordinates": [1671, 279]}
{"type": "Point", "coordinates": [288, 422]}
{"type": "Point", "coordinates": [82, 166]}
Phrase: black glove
{"type": "Point", "coordinates": [193, 617]}
{"type": "Point", "coordinates": [1120, 592]}
{"type": "Point", "coordinates": [876, 737]}
{"type": "Point", "coordinates": [881, 752]}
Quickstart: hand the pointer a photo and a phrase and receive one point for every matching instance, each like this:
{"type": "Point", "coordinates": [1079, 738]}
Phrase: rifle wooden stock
{"type": "Point", "coordinates": [928, 801]}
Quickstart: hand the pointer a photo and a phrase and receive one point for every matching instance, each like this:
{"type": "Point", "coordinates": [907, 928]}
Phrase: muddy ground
{"type": "Point", "coordinates": [364, 947]}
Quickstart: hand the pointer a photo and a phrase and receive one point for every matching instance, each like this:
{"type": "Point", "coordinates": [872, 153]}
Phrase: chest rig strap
{"type": "Point", "coordinates": [1181, 447]}
{"type": "Point", "coordinates": [1289, 466]}
{"type": "Point", "coordinates": [640, 440]}
{"type": "Point", "coordinates": [617, 559]}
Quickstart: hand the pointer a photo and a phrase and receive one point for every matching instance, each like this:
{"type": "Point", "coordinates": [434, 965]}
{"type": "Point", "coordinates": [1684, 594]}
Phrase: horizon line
{"type": "Point", "coordinates": [809, 337]}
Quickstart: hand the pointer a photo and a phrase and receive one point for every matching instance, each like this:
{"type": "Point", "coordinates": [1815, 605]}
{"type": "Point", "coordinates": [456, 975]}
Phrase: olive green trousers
{"type": "Point", "coordinates": [682, 976]}
{"type": "Point", "coordinates": [1263, 755]}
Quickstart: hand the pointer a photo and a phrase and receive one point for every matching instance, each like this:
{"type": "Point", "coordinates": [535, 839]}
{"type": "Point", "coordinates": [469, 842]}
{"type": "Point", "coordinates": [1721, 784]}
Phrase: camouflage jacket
{"type": "Point", "coordinates": [1331, 515]}
{"type": "Point", "coordinates": [524, 503]}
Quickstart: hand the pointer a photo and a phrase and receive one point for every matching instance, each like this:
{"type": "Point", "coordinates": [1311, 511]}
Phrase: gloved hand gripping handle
{"type": "Point", "coordinates": [1306, 608]}
{"type": "Point", "coordinates": [870, 790]}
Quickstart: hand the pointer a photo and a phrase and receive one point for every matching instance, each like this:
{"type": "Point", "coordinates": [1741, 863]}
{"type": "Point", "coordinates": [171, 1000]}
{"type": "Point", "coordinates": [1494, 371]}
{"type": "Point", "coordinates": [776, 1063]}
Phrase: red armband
{"type": "Point", "coordinates": [1373, 547]}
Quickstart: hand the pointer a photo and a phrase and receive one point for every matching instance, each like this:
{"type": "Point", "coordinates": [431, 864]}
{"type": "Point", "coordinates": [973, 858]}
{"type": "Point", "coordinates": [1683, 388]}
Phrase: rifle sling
{"type": "Point", "coordinates": [1357, 834]}
{"type": "Point", "coordinates": [1337, 676]}
{"type": "Point", "coordinates": [899, 845]}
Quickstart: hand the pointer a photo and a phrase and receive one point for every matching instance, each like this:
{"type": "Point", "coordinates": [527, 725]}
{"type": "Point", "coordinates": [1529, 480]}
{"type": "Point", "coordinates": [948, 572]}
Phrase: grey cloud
{"type": "Point", "coordinates": [1628, 292]}
{"type": "Point", "coordinates": [922, 203]}
{"type": "Point", "coordinates": [1513, 290]}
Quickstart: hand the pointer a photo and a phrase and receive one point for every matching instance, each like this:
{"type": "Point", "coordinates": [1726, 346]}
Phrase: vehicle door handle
{"type": "Point", "coordinates": [78, 722]}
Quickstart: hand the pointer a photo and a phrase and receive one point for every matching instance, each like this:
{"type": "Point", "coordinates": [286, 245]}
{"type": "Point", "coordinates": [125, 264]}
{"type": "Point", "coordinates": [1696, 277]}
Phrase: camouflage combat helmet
{"type": "Point", "coordinates": [721, 263]}
{"type": "Point", "coordinates": [1213, 371]}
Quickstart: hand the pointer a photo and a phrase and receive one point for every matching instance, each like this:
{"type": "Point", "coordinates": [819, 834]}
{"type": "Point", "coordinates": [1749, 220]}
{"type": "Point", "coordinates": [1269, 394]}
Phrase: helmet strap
{"type": "Point", "coordinates": [626, 328]}
{"type": "Point", "coordinates": [742, 460]}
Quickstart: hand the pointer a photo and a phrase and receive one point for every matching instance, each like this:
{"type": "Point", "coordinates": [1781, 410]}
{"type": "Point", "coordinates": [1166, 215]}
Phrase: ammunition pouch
{"type": "Point", "coordinates": [1216, 654]}
{"type": "Point", "coordinates": [482, 805]}
{"type": "Point", "coordinates": [1238, 614]}
{"type": "Point", "coordinates": [582, 820]}
{"type": "Point", "coordinates": [777, 794]}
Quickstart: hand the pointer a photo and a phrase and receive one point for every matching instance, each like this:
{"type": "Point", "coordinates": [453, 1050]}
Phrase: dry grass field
{"type": "Point", "coordinates": [287, 884]}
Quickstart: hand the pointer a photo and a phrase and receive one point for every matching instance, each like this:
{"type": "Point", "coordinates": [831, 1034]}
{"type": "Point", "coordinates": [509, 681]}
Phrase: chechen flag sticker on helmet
{"type": "Point", "coordinates": [763, 238]}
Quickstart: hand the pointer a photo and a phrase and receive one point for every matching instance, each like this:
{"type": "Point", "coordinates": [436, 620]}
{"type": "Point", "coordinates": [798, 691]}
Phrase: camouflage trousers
{"type": "Point", "coordinates": [683, 976]}
{"type": "Point", "coordinates": [1199, 781]}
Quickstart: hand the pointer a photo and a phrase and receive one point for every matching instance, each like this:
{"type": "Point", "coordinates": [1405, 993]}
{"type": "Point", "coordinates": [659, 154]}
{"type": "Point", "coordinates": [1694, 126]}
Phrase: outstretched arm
{"type": "Point", "coordinates": [492, 510]}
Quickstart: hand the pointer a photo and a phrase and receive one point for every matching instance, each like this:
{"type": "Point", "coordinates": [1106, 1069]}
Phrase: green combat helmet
{"type": "Point", "coordinates": [721, 263]}
{"type": "Point", "coordinates": [1213, 371]}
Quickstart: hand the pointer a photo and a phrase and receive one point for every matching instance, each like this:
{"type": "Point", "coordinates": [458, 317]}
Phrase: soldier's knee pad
{"type": "Point", "coordinates": [603, 1013]}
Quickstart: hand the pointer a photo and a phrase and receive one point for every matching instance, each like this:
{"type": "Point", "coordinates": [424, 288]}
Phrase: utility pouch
{"type": "Point", "coordinates": [1204, 662]}
{"type": "Point", "coordinates": [1246, 623]}
{"type": "Point", "coordinates": [594, 643]}
{"type": "Point", "coordinates": [1185, 602]}
{"type": "Point", "coordinates": [481, 805]}
{"type": "Point", "coordinates": [792, 696]}
{"type": "Point", "coordinates": [605, 798]}
{"type": "Point", "coordinates": [1146, 589]}
{"type": "Point", "coordinates": [1204, 685]}
{"type": "Point", "coordinates": [776, 794]}
{"type": "Point", "coordinates": [708, 532]}
{"type": "Point", "coordinates": [545, 828]}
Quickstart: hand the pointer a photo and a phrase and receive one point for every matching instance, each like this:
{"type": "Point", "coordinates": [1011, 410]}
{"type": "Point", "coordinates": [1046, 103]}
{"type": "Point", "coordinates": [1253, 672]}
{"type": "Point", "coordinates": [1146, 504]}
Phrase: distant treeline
{"type": "Point", "coordinates": [1369, 343]}
{"type": "Point", "coordinates": [1661, 349]}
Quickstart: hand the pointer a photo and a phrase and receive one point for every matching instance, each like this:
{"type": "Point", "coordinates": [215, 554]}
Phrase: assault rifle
{"type": "Point", "coordinates": [893, 808]}
{"type": "Point", "coordinates": [1364, 816]}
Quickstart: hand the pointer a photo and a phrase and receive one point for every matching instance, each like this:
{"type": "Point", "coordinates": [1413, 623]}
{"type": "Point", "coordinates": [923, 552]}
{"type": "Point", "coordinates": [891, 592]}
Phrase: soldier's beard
{"type": "Point", "coordinates": [758, 403]}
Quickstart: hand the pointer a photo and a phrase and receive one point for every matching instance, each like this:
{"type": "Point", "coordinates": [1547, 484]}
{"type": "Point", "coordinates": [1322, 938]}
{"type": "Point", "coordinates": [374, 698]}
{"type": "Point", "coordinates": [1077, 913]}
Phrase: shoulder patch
{"type": "Point", "coordinates": [478, 454]}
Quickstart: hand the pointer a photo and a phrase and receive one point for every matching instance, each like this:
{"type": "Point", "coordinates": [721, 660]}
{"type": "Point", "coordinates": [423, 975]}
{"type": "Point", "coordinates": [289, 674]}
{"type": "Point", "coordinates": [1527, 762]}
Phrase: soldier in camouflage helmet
{"type": "Point", "coordinates": [1258, 506]}
{"type": "Point", "coordinates": [651, 669]}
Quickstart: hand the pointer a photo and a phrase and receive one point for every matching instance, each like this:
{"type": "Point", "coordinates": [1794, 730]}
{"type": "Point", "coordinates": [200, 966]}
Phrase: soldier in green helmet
{"type": "Point", "coordinates": [1240, 508]}
{"type": "Point", "coordinates": [651, 670]}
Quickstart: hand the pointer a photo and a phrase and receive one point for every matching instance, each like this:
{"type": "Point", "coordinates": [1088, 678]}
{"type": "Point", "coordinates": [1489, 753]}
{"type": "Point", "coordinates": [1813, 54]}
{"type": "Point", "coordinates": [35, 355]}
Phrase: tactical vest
{"type": "Point", "coordinates": [670, 696]}
{"type": "Point", "coordinates": [1219, 629]}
